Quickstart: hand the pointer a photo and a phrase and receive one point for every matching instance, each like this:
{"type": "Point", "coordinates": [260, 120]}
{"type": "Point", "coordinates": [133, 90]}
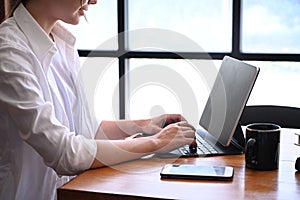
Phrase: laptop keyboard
{"type": "Point", "coordinates": [203, 147]}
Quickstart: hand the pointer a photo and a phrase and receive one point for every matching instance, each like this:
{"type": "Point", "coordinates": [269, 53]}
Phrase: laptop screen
{"type": "Point", "coordinates": [228, 98]}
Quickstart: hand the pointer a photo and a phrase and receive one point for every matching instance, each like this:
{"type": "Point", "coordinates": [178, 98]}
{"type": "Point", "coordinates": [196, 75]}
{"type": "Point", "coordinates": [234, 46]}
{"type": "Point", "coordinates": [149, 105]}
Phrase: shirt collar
{"type": "Point", "coordinates": [42, 46]}
{"type": "Point", "coordinates": [64, 34]}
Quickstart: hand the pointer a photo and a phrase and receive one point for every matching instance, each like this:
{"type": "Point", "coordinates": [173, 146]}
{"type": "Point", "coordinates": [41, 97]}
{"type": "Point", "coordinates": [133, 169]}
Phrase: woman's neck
{"type": "Point", "coordinates": [40, 14]}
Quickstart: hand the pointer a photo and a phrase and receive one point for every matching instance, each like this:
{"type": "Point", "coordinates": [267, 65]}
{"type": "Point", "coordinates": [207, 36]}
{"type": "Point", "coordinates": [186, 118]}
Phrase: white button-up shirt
{"type": "Point", "coordinates": [45, 126]}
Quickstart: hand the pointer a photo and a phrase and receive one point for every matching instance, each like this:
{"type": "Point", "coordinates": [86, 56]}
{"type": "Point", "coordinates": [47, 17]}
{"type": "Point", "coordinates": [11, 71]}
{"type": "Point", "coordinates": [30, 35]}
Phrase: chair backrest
{"type": "Point", "coordinates": [284, 116]}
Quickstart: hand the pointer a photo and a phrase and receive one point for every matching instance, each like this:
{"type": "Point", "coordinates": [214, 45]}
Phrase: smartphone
{"type": "Point", "coordinates": [185, 171]}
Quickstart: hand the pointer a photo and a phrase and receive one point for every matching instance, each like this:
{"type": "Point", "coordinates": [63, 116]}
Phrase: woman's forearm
{"type": "Point", "coordinates": [118, 151]}
{"type": "Point", "coordinates": [111, 152]}
{"type": "Point", "coordinates": [116, 130]}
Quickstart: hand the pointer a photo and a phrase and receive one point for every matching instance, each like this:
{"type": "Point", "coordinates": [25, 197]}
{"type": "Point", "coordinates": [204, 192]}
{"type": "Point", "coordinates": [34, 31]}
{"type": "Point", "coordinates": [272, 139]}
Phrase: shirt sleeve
{"type": "Point", "coordinates": [22, 97]}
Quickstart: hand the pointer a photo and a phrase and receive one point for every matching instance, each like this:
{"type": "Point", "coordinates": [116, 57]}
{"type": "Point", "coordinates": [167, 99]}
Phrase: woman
{"type": "Point", "coordinates": [47, 134]}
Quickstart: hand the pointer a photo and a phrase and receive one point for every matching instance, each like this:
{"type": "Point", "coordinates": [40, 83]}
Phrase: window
{"type": "Point", "coordinates": [158, 86]}
{"type": "Point", "coordinates": [100, 77]}
{"type": "Point", "coordinates": [97, 33]}
{"type": "Point", "coordinates": [189, 19]}
{"type": "Point", "coordinates": [136, 40]}
{"type": "Point", "coordinates": [271, 26]}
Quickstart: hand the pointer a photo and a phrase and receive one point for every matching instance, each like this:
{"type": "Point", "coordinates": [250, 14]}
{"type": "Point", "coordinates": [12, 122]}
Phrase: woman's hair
{"type": "Point", "coordinates": [13, 5]}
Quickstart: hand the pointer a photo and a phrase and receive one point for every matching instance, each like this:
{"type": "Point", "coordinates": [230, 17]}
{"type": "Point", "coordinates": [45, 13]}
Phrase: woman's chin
{"type": "Point", "coordinates": [73, 21]}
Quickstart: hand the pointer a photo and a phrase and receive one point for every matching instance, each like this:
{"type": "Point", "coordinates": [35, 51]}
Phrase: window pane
{"type": "Point", "coordinates": [277, 84]}
{"type": "Point", "coordinates": [271, 26]}
{"type": "Point", "coordinates": [207, 23]}
{"type": "Point", "coordinates": [100, 76]}
{"type": "Point", "coordinates": [100, 31]}
{"type": "Point", "coordinates": [158, 86]}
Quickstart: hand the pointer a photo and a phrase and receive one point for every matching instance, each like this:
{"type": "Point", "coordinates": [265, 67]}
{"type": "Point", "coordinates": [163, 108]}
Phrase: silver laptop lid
{"type": "Point", "coordinates": [228, 98]}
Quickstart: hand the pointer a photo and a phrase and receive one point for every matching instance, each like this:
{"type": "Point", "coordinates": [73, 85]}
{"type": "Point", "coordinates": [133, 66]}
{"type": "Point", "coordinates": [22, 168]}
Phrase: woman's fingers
{"type": "Point", "coordinates": [184, 132]}
{"type": "Point", "coordinates": [185, 124]}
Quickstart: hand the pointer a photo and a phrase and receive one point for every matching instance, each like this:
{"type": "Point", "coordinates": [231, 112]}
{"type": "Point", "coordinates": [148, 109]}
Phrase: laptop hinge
{"type": "Point", "coordinates": [238, 138]}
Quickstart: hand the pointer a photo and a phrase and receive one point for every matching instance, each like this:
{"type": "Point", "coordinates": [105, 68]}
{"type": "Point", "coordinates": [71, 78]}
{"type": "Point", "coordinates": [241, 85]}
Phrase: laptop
{"type": "Point", "coordinates": [219, 131]}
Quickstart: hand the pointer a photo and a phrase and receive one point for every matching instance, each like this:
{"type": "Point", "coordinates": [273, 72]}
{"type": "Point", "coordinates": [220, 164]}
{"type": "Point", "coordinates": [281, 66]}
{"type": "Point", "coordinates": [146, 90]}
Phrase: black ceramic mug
{"type": "Point", "coordinates": [262, 146]}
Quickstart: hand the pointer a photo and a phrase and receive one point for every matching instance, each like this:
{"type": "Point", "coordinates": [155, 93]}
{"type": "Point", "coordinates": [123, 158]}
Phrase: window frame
{"type": "Point", "coordinates": [124, 55]}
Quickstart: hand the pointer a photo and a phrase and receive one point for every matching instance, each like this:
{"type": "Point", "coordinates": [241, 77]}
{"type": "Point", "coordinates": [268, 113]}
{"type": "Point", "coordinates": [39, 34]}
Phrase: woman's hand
{"type": "Point", "coordinates": [174, 136]}
{"type": "Point", "coordinates": [156, 124]}
{"type": "Point", "coordinates": [124, 128]}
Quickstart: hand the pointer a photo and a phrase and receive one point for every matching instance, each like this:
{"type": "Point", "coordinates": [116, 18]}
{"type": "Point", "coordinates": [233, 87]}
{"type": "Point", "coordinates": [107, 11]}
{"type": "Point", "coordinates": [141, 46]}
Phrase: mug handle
{"type": "Point", "coordinates": [250, 157]}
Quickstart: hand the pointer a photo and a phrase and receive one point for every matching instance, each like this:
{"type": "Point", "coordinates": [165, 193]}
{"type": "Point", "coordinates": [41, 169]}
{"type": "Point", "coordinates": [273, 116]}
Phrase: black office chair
{"type": "Point", "coordinates": [284, 116]}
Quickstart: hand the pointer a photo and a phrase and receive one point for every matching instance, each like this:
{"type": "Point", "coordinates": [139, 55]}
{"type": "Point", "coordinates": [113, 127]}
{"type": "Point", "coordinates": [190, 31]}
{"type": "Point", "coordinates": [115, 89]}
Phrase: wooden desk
{"type": "Point", "coordinates": [141, 180]}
